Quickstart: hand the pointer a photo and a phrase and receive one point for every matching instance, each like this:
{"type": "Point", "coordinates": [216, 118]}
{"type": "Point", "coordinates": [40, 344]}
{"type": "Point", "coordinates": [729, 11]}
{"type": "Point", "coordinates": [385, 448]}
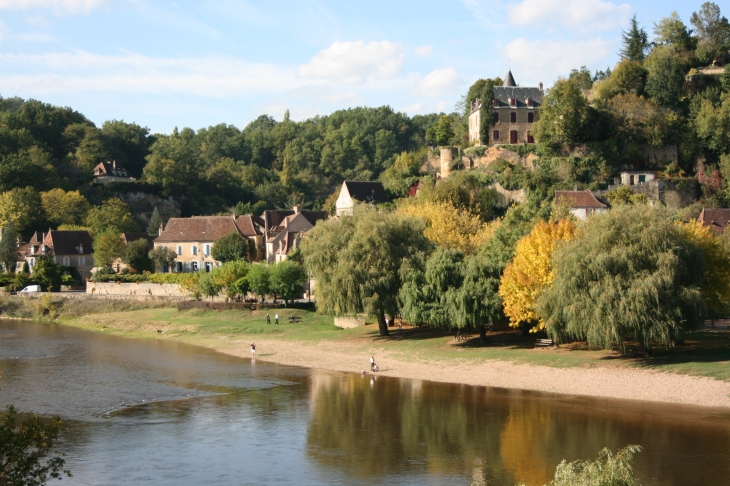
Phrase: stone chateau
{"type": "Point", "coordinates": [515, 109]}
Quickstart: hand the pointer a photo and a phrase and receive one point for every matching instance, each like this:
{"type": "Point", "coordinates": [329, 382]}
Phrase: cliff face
{"type": "Point", "coordinates": [144, 204]}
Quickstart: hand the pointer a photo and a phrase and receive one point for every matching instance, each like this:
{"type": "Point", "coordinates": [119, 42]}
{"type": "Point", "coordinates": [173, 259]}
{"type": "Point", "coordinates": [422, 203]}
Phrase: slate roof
{"type": "Point", "coordinates": [716, 219]}
{"type": "Point", "coordinates": [203, 228]}
{"type": "Point", "coordinates": [509, 80]}
{"type": "Point", "coordinates": [67, 242]}
{"type": "Point", "coordinates": [502, 94]}
{"type": "Point", "coordinates": [578, 199]}
{"type": "Point", "coordinates": [371, 192]}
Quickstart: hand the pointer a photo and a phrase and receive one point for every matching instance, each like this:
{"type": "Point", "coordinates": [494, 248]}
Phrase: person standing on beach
{"type": "Point", "coordinates": [253, 350]}
{"type": "Point", "coordinates": [268, 319]}
{"type": "Point", "coordinates": [372, 363]}
{"type": "Point", "coordinates": [276, 318]}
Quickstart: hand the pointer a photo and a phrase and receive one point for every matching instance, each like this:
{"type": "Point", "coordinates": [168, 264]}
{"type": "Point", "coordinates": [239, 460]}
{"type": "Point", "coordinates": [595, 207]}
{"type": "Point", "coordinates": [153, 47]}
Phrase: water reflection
{"type": "Point", "coordinates": [167, 413]}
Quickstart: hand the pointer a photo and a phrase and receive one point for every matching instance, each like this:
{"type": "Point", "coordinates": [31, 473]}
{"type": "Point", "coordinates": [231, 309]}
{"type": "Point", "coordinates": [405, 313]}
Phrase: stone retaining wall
{"type": "Point", "coordinates": [349, 322]}
{"type": "Point", "coordinates": [141, 291]}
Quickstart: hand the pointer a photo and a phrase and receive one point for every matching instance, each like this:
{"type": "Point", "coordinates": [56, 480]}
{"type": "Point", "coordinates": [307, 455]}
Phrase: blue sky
{"type": "Point", "coordinates": [197, 63]}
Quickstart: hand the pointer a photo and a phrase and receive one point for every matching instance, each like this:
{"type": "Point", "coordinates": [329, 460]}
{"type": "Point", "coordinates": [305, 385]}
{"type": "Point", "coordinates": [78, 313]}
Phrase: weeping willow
{"type": "Point", "coordinates": [629, 274]}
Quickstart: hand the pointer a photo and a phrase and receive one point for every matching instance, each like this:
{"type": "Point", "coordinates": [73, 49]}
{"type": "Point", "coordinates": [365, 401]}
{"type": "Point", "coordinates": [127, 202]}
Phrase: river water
{"type": "Point", "coordinates": [165, 413]}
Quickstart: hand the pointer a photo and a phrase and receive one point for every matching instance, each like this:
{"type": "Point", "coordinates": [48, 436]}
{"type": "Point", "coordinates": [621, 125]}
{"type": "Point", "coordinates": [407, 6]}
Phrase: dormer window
{"type": "Point", "coordinates": [496, 103]}
{"type": "Point", "coordinates": [513, 101]}
{"type": "Point", "coordinates": [80, 248]}
{"type": "Point", "coordinates": [44, 249]}
{"type": "Point", "coordinates": [34, 249]}
{"type": "Point", "coordinates": [529, 102]}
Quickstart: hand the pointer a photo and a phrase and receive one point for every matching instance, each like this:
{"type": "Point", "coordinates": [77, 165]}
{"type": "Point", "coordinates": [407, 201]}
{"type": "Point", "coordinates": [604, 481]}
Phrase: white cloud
{"type": "Point", "coordinates": [546, 60]}
{"type": "Point", "coordinates": [354, 62]}
{"type": "Point", "coordinates": [423, 51]}
{"type": "Point", "coordinates": [3, 31]}
{"type": "Point", "coordinates": [580, 15]}
{"type": "Point", "coordinates": [58, 6]}
{"type": "Point", "coordinates": [438, 82]}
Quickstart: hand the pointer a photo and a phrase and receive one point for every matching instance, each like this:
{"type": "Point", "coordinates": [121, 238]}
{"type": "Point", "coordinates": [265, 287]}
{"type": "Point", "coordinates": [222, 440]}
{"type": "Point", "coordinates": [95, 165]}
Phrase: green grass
{"type": "Point", "coordinates": [705, 353]}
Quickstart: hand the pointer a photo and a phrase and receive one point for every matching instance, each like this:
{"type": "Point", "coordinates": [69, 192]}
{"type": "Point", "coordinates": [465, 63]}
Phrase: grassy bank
{"type": "Point", "coordinates": [704, 354]}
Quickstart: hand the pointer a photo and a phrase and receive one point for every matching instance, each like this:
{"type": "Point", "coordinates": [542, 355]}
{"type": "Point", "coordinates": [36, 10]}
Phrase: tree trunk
{"type": "Point", "coordinates": [483, 333]}
{"type": "Point", "coordinates": [382, 326]}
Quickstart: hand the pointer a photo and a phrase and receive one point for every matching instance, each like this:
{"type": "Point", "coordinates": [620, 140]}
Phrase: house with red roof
{"type": "Point", "coordinates": [715, 218]}
{"type": "Point", "coordinates": [581, 203]}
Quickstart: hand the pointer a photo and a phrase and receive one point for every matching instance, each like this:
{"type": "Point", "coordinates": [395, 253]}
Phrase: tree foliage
{"type": "Point", "coordinates": [356, 261]}
{"type": "Point", "coordinates": [671, 31]}
{"type": "Point", "coordinates": [230, 247]}
{"type": "Point", "coordinates": [63, 207]}
{"type": "Point", "coordinates": [225, 277]}
{"type": "Point", "coordinates": [635, 42]}
{"type": "Point", "coordinates": [9, 255]}
{"type": "Point", "coordinates": [47, 273]}
{"type": "Point", "coordinates": [113, 214]}
{"type": "Point", "coordinates": [259, 279]}
{"type": "Point", "coordinates": [163, 257]}
{"type": "Point", "coordinates": [287, 280]}
{"type": "Point", "coordinates": [108, 246]}
{"type": "Point", "coordinates": [153, 228]}
{"type": "Point", "coordinates": [531, 271]}
{"type": "Point", "coordinates": [562, 115]}
{"type": "Point", "coordinates": [607, 470]}
{"type": "Point", "coordinates": [628, 273]}
{"type": "Point", "coordinates": [21, 207]}
{"type": "Point", "coordinates": [137, 255]}
{"type": "Point", "coordinates": [25, 448]}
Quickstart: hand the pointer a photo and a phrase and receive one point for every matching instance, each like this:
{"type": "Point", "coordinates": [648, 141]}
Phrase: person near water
{"type": "Point", "coordinates": [268, 319]}
{"type": "Point", "coordinates": [253, 350]}
{"type": "Point", "coordinates": [372, 363]}
{"type": "Point", "coordinates": [276, 318]}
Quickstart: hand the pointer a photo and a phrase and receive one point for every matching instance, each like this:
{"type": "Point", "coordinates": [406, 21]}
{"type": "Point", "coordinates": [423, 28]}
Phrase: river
{"type": "Point", "coordinates": [165, 413]}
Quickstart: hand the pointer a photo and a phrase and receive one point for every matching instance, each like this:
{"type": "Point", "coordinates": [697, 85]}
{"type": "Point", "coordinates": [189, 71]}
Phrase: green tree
{"type": "Point", "coordinates": [25, 449]}
{"type": "Point", "coordinates": [712, 124]}
{"type": "Point", "coordinates": [137, 255]}
{"type": "Point", "coordinates": [153, 228]}
{"type": "Point", "coordinates": [635, 42]}
{"type": "Point", "coordinates": [63, 207]}
{"type": "Point", "coordinates": [259, 279]}
{"type": "Point", "coordinates": [108, 246]}
{"type": "Point", "coordinates": [47, 273]}
{"type": "Point", "coordinates": [628, 273]}
{"type": "Point", "coordinates": [207, 286]}
{"type": "Point", "coordinates": [666, 76]}
{"type": "Point", "coordinates": [225, 277]}
{"type": "Point", "coordinates": [562, 115]}
{"type": "Point", "coordinates": [671, 31]}
{"type": "Point", "coordinates": [230, 247]}
{"type": "Point", "coordinates": [356, 261]}
{"type": "Point", "coordinates": [582, 77]}
{"type": "Point", "coordinates": [486, 111]}
{"type": "Point", "coordinates": [607, 470]}
{"type": "Point", "coordinates": [9, 248]}
{"type": "Point", "coordinates": [628, 77]}
{"type": "Point", "coordinates": [442, 132]}
{"type": "Point", "coordinates": [712, 31]}
{"type": "Point", "coordinates": [287, 280]}
{"type": "Point", "coordinates": [22, 206]}
{"type": "Point", "coordinates": [163, 257]}
{"type": "Point", "coordinates": [112, 214]}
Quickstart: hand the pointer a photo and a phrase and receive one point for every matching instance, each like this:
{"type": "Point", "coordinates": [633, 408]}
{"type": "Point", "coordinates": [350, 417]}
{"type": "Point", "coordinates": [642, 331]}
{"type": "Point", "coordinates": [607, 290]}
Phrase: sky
{"type": "Point", "coordinates": [198, 63]}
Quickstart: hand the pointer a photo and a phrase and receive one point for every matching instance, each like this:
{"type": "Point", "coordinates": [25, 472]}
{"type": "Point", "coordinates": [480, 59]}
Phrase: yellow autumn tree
{"type": "Point", "coordinates": [715, 286]}
{"type": "Point", "coordinates": [531, 271]}
{"type": "Point", "coordinates": [450, 227]}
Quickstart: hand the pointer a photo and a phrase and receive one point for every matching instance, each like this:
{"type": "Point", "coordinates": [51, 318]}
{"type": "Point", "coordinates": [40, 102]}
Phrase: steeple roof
{"type": "Point", "coordinates": [509, 80]}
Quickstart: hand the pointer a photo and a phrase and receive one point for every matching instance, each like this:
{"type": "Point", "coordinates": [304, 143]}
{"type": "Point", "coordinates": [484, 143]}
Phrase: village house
{"type": "Point", "coordinates": [354, 192]}
{"type": "Point", "coordinates": [285, 228]}
{"type": "Point", "coordinates": [127, 238]}
{"type": "Point", "coordinates": [581, 203]}
{"type": "Point", "coordinates": [192, 239]}
{"type": "Point", "coordinates": [106, 172]}
{"type": "Point", "coordinates": [514, 110]}
{"type": "Point", "coordinates": [636, 177]}
{"type": "Point", "coordinates": [68, 248]}
{"type": "Point", "coordinates": [715, 218]}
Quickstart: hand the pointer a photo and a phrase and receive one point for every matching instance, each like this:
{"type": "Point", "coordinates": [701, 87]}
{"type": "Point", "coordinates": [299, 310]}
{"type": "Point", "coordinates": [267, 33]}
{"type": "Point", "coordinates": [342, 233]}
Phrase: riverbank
{"type": "Point", "coordinates": [696, 374]}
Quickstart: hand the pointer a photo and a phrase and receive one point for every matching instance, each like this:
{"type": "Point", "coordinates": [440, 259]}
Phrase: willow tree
{"type": "Point", "coordinates": [356, 261]}
{"type": "Point", "coordinates": [628, 273]}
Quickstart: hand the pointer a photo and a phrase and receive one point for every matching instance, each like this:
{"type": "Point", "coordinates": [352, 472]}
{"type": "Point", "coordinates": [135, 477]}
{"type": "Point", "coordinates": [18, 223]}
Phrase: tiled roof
{"type": "Point", "coordinates": [197, 228]}
{"type": "Point", "coordinates": [578, 199]}
{"type": "Point", "coordinates": [295, 223]}
{"type": "Point", "coordinates": [111, 169]}
{"type": "Point", "coordinates": [130, 237]}
{"type": "Point", "coordinates": [248, 225]}
{"type": "Point", "coordinates": [371, 192]}
{"type": "Point", "coordinates": [274, 217]}
{"type": "Point", "coordinates": [67, 242]}
{"type": "Point", "coordinates": [716, 218]}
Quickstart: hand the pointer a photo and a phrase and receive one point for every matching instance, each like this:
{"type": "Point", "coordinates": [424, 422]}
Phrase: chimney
{"type": "Point", "coordinates": [114, 164]}
{"type": "Point", "coordinates": [297, 209]}
{"type": "Point", "coordinates": [539, 85]}
{"type": "Point", "coordinates": [161, 229]}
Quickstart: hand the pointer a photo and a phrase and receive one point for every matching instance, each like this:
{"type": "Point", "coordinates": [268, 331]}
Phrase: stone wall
{"type": "Point", "coordinates": [141, 291]}
{"type": "Point", "coordinates": [349, 322]}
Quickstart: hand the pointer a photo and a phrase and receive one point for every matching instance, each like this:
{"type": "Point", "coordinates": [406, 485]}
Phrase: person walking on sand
{"type": "Point", "coordinates": [276, 318]}
{"type": "Point", "coordinates": [253, 350]}
{"type": "Point", "coordinates": [268, 319]}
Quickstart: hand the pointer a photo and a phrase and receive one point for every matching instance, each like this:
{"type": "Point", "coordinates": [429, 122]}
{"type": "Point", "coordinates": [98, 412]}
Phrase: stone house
{"type": "Point", "coordinates": [106, 172]}
{"type": "Point", "coordinates": [68, 248]}
{"type": "Point", "coordinates": [515, 109]}
{"type": "Point", "coordinates": [127, 238]}
{"type": "Point", "coordinates": [285, 228]}
{"type": "Point", "coordinates": [192, 239]}
{"type": "Point", "coordinates": [581, 203]}
{"type": "Point", "coordinates": [354, 192]}
{"type": "Point", "coordinates": [636, 177]}
{"type": "Point", "coordinates": [716, 219]}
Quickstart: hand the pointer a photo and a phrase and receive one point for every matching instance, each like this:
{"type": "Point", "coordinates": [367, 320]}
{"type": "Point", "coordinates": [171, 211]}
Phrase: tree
{"type": "Point", "coordinates": [582, 77]}
{"type": "Point", "coordinates": [486, 120]}
{"type": "Point", "coordinates": [712, 124]}
{"type": "Point", "coordinates": [442, 132]}
{"type": "Point", "coordinates": [531, 271]}
{"type": "Point", "coordinates": [666, 75]}
{"type": "Point", "coordinates": [112, 214]}
{"type": "Point", "coordinates": [153, 228]}
{"type": "Point", "coordinates": [635, 42]}
{"type": "Point", "coordinates": [47, 273]}
{"type": "Point", "coordinates": [628, 273]}
{"type": "Point", "coordinates": [207, 286]}
{"type": "Point", "coordinates": [287, 280]}
{"type": "Point", "coordinates": [25, 449]}
{"type": "Point", "coordinates": [712, 31]}
{"type": "Point", "coordinates": [259, 279]}
{"type": "Point", "coordinates": [22, 206]}
{"type": "Point", "coordinates": [63, 207]}
{"type": "Point", "coordinates": [163, 257]}
{"type": "Point", "coordinates": [230, 247]}
{"type": "Point", "coordinates": [671, 31]}
{"type": "Point", "coordinates": [137, 255]}
{"type": "Point", "coordinates": [9, 248]}
{"type": "Point", "coordinates": [108, 246]}
{"type": "Point", "coordinates": [225, 277]}
{"type": "Point", "coordinates": [628, 77]}
{"type": "Point", "coordinates": [624, 195]}
{"type": "Point", "coordinates": [607, 470]}
{"type": "Point", "coordinates": [562, 115]}
{"type": "Point", "coordinates": [356, 261]}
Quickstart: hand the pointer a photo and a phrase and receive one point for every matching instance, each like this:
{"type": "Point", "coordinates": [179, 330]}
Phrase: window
{"type": "Point", "coordinates": [207, 250]}
{"type": "Point", "coordinates": [642, 179]}
{"type": "Point", "coordinates": [513, 136]}
{"type": "Point", "coordinates": [530, 138]}
{"type": "Point", "coordinates": [495, 135]}
{"type": "Point", "coordinates": [179, 267]}
{"type": "Point", "coordinates": [193, 266]}
{"type": "Point", "coordinates": [32, 262]}
{"type": "Point", "coordinates": [529, 102]}
{"type": "Point", "coordinates": [530, 117]}
{"type": "Point", "coordinates": [208, 266]}
{"type": "Point", "coordinates": [496, 103]}
{"type": "Point", "coordinates": [82, 261]}
{"type": "Point", "coordinates": [513, 117]}
{"type": "Point", "coordinates": [66, 261]}
{"type": "Point", "coordinates": [195, 250]}
{"type": "Point", "coordinates": [81, 274]}
{"type": "Point", "coordinates": [513, 101]}
{"type": "Point", "coordinates": [179, 250]}
{"type": "Point", "coordinates": [631, 180]}
{"type": "Point", "coordinates": [495, 117]}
